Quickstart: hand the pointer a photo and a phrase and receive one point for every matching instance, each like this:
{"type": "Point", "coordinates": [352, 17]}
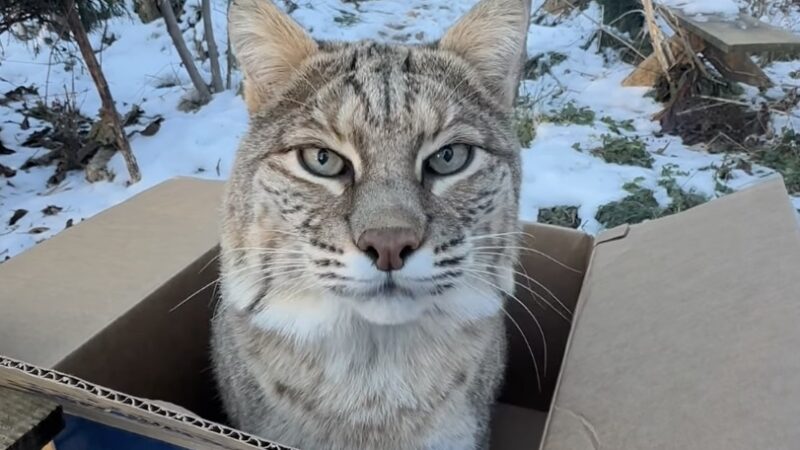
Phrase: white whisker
{"type": "Point", "coordinates": [524, 306]}
{"type": "Point", "coordinates": [531, 291]}
{"type": "Point", "coordinates": [529, 279]}
{"type": "Point", "coordinates": [524, 337]}
{"type": "Point", "coordinates": [534, 251]}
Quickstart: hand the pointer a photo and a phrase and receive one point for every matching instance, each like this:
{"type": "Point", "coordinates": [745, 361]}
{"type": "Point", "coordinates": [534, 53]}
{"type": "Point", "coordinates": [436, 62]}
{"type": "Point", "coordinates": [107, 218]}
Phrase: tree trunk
{"type": "Point", "coordinates": [229, 56]}
{"type": "Point", "coordinates": [183, 51]}
{"type": "Point", "coordinates": [213, 54]}
{"type": "Point", "coordinates": [109, 110]}
{"type": "Point", "coordinates": [147, 10]}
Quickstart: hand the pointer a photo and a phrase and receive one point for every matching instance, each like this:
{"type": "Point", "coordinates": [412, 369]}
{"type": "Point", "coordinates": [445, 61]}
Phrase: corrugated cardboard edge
{"type": "Point", "coordinates": [116, 409]}
{"type": "Point", "coordinates": [614, 234]}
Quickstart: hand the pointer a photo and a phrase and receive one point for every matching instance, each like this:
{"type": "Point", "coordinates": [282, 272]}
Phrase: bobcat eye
{"type": "Point", "coordinates": [449, 159]}
{"type": "Point", "coordinates": [322, 162]}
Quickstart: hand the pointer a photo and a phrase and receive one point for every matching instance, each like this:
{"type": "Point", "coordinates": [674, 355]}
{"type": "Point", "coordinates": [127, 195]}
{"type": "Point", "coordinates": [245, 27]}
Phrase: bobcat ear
{"type": "Point", "coordinates": [492, 37]}
{"type": "Point", "coordinates": [269, 47]}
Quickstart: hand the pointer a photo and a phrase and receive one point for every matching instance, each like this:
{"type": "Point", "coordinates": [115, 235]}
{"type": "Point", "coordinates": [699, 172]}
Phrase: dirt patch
{"type": "Point", "coordinates": [700, 110]}
{"type": "Point", "coordinates": [74, 141]}
{"type": "Point", "coordinates": [66, 138]}
{"type": "Point", "coordinates": [711, 112]}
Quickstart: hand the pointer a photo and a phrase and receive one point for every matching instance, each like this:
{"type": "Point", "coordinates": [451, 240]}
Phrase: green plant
{"type": "Point", "coordinates": [637, 207]}
{"type": "Point", "coordinates": [525, 124]}
{"type": "Point", "coordinates": [346, 19]}
{"type": "Point", "coordinates": [571, 114]}
{"type": "Point", "coordinates": [681, 199]}
{"type": "Point", "coordinates": [784, 157]}
{"type": "Point", "coordinates": [670, 171]}
{"type": "Point", "coordinates": [623, 150]}
{"type": "Point", "coordinates": [615, 126]}
{"type": "Point", "coordinates": [541, 64]}
{"type": "Point", "coordinates": [563, 216]}
{"type": "Point", "coordinates": [642, 205]}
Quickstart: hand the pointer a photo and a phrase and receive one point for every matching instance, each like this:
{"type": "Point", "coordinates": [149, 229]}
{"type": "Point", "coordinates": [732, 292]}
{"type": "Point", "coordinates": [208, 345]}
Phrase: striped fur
{"type": "Point", "coordinates": [313, 346]}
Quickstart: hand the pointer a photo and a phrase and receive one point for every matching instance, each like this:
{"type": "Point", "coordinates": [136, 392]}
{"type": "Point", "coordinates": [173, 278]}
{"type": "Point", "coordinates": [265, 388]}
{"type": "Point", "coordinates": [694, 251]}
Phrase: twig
{"type": "Point", "coordinates": [633, 11]}
{"type": "Point", "coordinates": [699, 108]}
{"type": "Point", "coordinates": [228, 54]}
{"type": "Point", "coordinates": [656, 37]}
{"type": "Point", "coordinates": [606, 29]}
{"type": "Point", "coordinates": [730, 139]}
{"type": "Point", "coordinates": [213, 54]}
{"type": "Point", "coordinates": [109, 110]}
{"type": "Point", "coordinates": [689, 50]}
{"type": "Point", "coordinates": [165, 6]}
{"type": "Point", "coordinates": [50, 65]}
{"type": "Point", "coordinates": [740, 103]}
{"type": "Point", "coordinates": [103, 41]}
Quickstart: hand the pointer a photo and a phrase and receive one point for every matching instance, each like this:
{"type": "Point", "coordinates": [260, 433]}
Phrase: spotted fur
{"type": "Point", "coordinates": [313, 346]}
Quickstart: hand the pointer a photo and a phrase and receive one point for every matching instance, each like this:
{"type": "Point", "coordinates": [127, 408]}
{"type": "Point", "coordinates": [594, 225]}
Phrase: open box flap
{"type": "Point", "coordinates": [98, 300]}
{"type": "Point", "coordinates": [687, 333]}
{"type": "Point", "coordinates": [76, 279]}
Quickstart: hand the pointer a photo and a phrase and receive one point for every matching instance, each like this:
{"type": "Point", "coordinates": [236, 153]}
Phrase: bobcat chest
{"type": "Point", "coordinates": [369, 378]}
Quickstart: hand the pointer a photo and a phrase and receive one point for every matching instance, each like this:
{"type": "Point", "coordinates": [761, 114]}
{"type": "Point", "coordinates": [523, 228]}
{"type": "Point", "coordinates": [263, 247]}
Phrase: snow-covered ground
{"type": "Point", "coordinates": [692, 7]}
{"type": "Point", "coordinates": [559, 170]}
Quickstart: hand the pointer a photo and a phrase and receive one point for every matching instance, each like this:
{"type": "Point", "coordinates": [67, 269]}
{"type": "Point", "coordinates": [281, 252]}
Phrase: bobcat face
{"type": "Point", "coordinates": [375, 179]}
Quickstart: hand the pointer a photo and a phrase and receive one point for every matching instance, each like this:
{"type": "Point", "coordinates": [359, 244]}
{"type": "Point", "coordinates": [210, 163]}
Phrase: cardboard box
{"type": "Point", "coordinates": [685, 335]}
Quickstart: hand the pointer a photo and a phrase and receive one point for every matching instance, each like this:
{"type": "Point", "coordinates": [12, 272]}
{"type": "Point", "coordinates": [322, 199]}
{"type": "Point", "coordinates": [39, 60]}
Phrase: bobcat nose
{"type": "Point", "coordinates": [388, 247]}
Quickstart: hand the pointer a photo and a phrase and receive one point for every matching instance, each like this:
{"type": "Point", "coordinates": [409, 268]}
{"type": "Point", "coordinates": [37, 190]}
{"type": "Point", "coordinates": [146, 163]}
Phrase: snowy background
{"type": "Point", "coordinates": [143, 68]}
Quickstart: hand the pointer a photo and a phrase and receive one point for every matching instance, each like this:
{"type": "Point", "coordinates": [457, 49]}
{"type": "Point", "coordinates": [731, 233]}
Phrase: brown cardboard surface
{"type": "Point", "coordinates": [103, 335]}
{"type": "Point", "coordinates": [687, 333]}
{"type": "Point", "coordinates": [95, 300]}
{"type": "Point", "coordinates": [73, 286]}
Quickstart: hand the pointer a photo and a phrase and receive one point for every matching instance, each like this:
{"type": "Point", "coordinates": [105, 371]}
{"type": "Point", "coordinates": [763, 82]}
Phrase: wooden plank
{"type": "Point", "coordinates": [738, 66]}
{"type": "Point", "coordinates": [742, 34]}
{"type": "Point", "coordinates": [27, 422]}
{"type": "Point", "coordinates": [648, 71]}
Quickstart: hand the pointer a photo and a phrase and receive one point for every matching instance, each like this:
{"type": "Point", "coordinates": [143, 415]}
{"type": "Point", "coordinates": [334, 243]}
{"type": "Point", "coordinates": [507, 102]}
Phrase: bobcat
{"type": "Point", "coordinates": [369, 233]}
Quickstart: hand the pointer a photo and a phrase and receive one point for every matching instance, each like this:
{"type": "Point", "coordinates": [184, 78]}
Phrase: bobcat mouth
{"type": "Point", "coordinates": [391, 288]}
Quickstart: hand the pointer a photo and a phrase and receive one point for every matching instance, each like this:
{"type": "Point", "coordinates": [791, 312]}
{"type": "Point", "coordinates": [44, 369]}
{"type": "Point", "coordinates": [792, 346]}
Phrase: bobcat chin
{"type": "Point", "coordinates": [369, 233]}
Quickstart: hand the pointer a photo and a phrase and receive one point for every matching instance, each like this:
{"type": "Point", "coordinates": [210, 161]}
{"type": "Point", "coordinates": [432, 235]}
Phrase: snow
{"type": "Point", "coordinates": [692, 7]}
{"type": "Point", "coordinates": [202, 144]}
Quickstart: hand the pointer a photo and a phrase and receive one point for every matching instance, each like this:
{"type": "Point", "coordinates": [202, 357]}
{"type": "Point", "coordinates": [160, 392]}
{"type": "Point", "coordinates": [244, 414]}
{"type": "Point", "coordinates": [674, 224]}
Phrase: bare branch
{"type": "Point", "coordinates": [186, 57]}
{"type": "Point", "coordinates": [213, 54]}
